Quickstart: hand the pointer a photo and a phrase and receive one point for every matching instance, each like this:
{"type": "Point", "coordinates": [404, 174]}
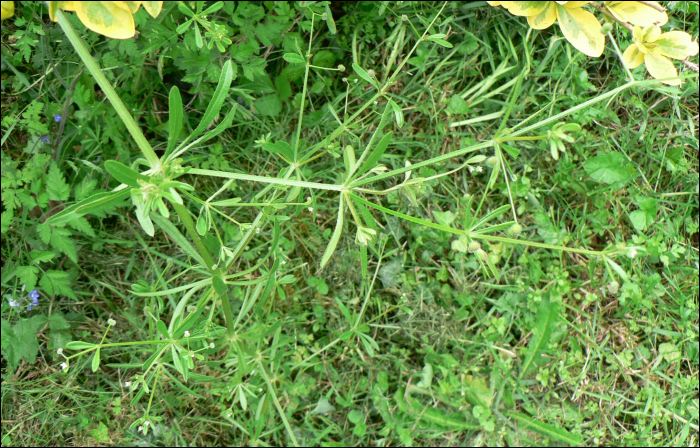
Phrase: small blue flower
{"type": "Point", "coordinates": [57, 118]}
{"type": "Point", "coordinates": [34, 295]}
{"type": "Point", "coordinates": [45, 139]}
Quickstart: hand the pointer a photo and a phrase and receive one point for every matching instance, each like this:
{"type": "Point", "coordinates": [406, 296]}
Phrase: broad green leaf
{"type": "Point", "coordinates": [269, 105]}
{"type": "Point", "coordinates": [545, 322]}
{"type": "Point", "coordinates": [661, 67]}
{"type": "Point", "coordinates": [611, 168]}
{"type": "Point", "coordinates": [545, 19]}
{"type": "Point", "coordinates": [294, 58]}
{"type": "Point", "coordinates": [638, 13]}
{"type": "Point", "coordinates": [283, 148]}
{"type": "Point", "coordinates": [124, 174]}
{"type": "Point", "coordinates": [175, 234]}
{"type": "Point", "coordinates": [633, 57]}
{"type": "Point", "coordinates": [581, 29]}
{"type": "Point", "coordinates": [106, 18]}
{"type": "Point", "coordinates": [529, 424]}
{"type": "Point", "coordinates": [174, 117]}
{"type": "Point", "coordinates": [377, 153]}
{"type": "Point", "coordinates": [333, 243]}
{"type": "Point", "coordinates": [438, 39]}
{"type": "Point", "coordinates": [144, 219]}
{"type": "Point", "coordinates": [675, 44]}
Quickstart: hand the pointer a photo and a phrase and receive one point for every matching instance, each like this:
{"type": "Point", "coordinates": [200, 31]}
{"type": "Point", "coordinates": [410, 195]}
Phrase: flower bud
{"type": "Point", "coordinates": [473, 247]}
{"type": "Point", "coordinates": [491, 161]}
{"type": "Point", "coordinates": [606, 28]}
{"type": "Point", "coordinates": [515, 230]}
{"type": "Point", "coordinates": [613, 287]}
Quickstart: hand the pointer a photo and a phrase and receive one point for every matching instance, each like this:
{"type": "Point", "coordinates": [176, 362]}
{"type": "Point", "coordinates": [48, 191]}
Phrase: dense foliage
{"type": "Point", "coordinates": [373, 223]}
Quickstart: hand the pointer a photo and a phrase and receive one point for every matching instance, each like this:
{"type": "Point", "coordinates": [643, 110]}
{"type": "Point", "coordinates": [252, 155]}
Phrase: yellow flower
{"type": "Point", "coordinates": [8, 9]}
{"type": "Point", "coordinates": [580, 27]}
{"type": "Point", "coordinates": [653, 48]}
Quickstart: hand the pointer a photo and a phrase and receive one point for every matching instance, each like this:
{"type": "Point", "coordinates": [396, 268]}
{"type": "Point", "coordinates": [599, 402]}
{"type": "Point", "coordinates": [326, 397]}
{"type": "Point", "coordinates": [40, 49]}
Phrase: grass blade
{"type": "Point", "coordinates": [560, 434]}
{"type": "Point", "coordinates": [336, 234]}
{"type": "Point", "coordinates": [547, 319]}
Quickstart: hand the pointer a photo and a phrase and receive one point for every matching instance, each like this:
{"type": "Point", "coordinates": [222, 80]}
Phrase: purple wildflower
{"type": "Point", "coordinates": [45, 139]}
{"type": "Point", "coordinates": [34, 296]}
{"type": "Point", "coordinates": [57, 118]}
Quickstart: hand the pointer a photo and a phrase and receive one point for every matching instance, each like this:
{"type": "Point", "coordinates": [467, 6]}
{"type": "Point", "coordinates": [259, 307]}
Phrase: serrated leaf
{"type": "Point", "coordinates": [281, 147]}
{"type": "Point", "coordinates": [28, 275]}
{"type": "Point", "coordinates": [581, 29]}
{"type": "Point", "coordinates": [57, 282]}
{"type": "Point", "coordinates": [611, 168]}
{"type": "Point", "coordinates": [294, 58]}
{"type": "Point", "coordinates": [60, 239]}
{"type": "Point", "coordinates": [56, 185]}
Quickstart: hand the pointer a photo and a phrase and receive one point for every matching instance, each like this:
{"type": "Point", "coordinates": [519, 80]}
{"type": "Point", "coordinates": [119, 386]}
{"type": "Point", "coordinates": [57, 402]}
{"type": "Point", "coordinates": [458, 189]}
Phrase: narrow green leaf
{"type": "Point", "coordinates": [373, 158]}
{"type": "Point", "coordinates": [349, 159]}
{"type": "Point", "coordinates": [329, 21]}
{"type": "Point", "coordinates": [398, 113]}
{"type": "Point", "coordinates": [560, 434]}
{"type": "Point", "coordinates": [173, 232]}
{"type": "Point", "coordinates": [546, 321]}
{"type": "Point", "coordinates": [79, 345]}
{"type": "Point", "coordinates": [96, 360]}
{"type": "Point", "coordinates": [363, 260]}
{"type": "Point", "coordinates": [494, 214]}
{"type": "Point", "coordinates": [333, 243]}
{"type": "Point", "coordinates": [216, 102]}
{"type": "Point", "coordinates": [162, 329]}
{"type": "Point", "coordinates": [363, 74]}
{"type": "Point", "coordinates": [174, 117]}
{"type": "Point", "coordinates": [96, 202]}
{"type": "Point", "coordinates": [220, 286]}
{"type": "Point", "coordinates": [124, 174]}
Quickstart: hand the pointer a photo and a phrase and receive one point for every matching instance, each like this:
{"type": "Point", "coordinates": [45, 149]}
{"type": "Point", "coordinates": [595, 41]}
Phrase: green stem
{"type": "Point", "coordinates": [271, 389]}
{"type": "Point", "coordinates": [267, 180]}
{"type": "Point", "coordinates": [108, 90]}
{"type": "Point", "coordinates": [303, 91]}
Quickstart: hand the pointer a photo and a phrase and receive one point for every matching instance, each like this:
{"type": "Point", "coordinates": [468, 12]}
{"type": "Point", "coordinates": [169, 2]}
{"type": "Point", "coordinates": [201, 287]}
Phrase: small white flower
{"type": "Point", "coordinates": [284, 261]}
{"type": "Point", "coordinates": [59, 351]}
{"type": "Point", "coordinates": [471, 169]}
{"type": "Point", "coordinates": [633, 253]}
{"type": "Point", "coordinates": [311, 209]}
{"type": "Point", "coordinates": [64, 366]}
{"type": "Point", "coordinates": [111, 322]}
{"type": "Point", "coordinates": [140, 429]}
{"type": "Point", "coordinates": [479, 169]}
{"type": "Point", "coordinates": [187, 333]}
{"type": "Point", "coordinates": [212, 345]}
{"type": "Point", "coordinates": [146, 423]}
{"type": "Point", "coordinates": [356, 80]}
{"type": "Point", "coordinates": [345, 79]}
{"type": "Point", "coordinates": [127, 383]}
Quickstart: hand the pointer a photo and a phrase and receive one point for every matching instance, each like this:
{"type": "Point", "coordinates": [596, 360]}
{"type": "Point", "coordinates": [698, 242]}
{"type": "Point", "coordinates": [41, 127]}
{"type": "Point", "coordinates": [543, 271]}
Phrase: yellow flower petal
{"type": "Point", "coordinates": [633, 57]}
{"type": "Point", "coordinates": [676, 45]}
{"type": "Point", "coordinates": [494, 3]}
{"type": "Point", "coordinates": [660, 67]}
{"type": "Point", "coordinates": [154, 8]}
{"type": "Point", "coordinates": [64, 6]}
{"type": "Point", "coordinates": [573, 4]}
{"type": "Point", "coordinates": [132, 6]}
{"type": "Point", "coordinates": [525, 9]}
{"type": "Point", "coordinates": [582, 30]}
{"type": "Point", "coordinates": [7, 10]}
{"type": "Point", "coordinates": [637, 13]}
{"type": "Point", "coordinates": [545, 19]}
{"type": "Point", "coordinates": [651, 33]}
{"type": "Point", "coordinates": [107, 19]}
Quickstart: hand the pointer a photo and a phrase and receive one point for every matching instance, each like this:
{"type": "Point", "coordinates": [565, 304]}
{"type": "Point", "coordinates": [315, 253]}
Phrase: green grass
{"type": "Point", "coordinates": [428, 349]}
